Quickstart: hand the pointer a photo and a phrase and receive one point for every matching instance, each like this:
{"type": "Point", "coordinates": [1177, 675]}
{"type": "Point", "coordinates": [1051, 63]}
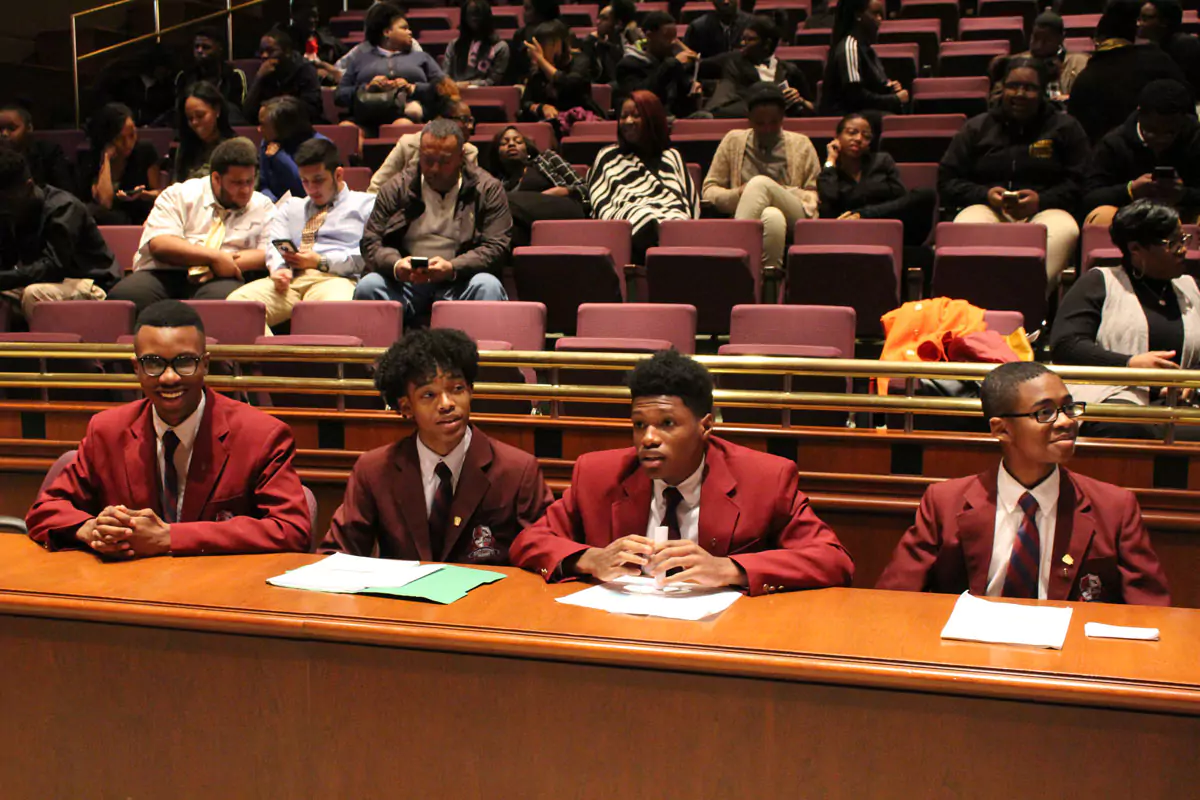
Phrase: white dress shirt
{"type": "Point", "coordinates": [434, 233]}
{"type": "Point", "coordinates": [186, 431]}
{"type": "Point", "coordinates": [429, 461]}
{"type": "Point", "coordinates": [689, 507]}
{"type": "Point", "coordinates": [338, 237]}
{"type": "Point", "coordinates": [1008, 518]}
{"type": "Point", "coordinates": [767, 69]}
{"type": "Point", "coordinates": [189, 210]}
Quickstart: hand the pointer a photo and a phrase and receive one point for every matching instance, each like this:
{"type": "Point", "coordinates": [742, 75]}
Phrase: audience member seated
{"type": "Point", "coordinates": [755, 63]}
{"type": "Point", "coordinates": [680, 476]}
{"type": "Point", "coordinates": [536, 12]}
{"type": "Point", "coordinates": [408, 146]}
{"type": "Point", "coordinates": [284, 73]}
{"type": "Point", "coordinates": [120, 175]}
{"type": "Point", "coordinates": [858, 183]}
{"type": "Point", "coordinates": [319, 258]}
{"type": "Point", "coordinates": [388, 81]}
{"type": "Point", "coordinates": [766, 173]}
{"type": "Point", "coordinates": [203, 234]}
{"type": "Point", "coordinates": [451, 215]}
{"type": "Point", "coordinates": [1046, 42]}
{"type": "Point", "coordinates": [378, 9]}
{"type": "Point", "coordinates": [209, 65]}
{"type": "Point", "coordinates": [1160, 22]}
{"type": "Point", "coordinates": [321, 47]}
{"type": "Point", "coordinates": [47, 163]}
{"type": "Point", "coordinates": [665, 66]}
{"type": "Point", "coordinates": [642, 178]}
{"type": "Point", "coordinates": [1029, 528]}
{"type": "Point", "coordinates": [478, 57]}
{"type": "Point", "coordinates": [1020, 162]}
{"type": "Point", "coordinates": [560, 89]}
{"type": "Point", "coordinates": [719, 31]}
{"type": "Point", "coordinates": [1155, 155]}
{"type": "Point", "coordinates": [1144, 314]}
{"type": "Point", "coordinates": [448, 492]}
{"type": "Point", "coordinates": [854, 76]}
{"type": "Point", "coordinates": [539, 185]}
{"type": "Point", "coordinates": [143, 81]}
{"type": "Point", "coordinates": [616, 27]}
{"type": "Point", "coordinates": [50, 247]}
{"type": "Point", "coordinates": [205, 124]}
{"type": "Point", "coordinates": [283, 122]}
{"type": "Point", "coordinates": [184, 472]}
{"type": "Point", "coordinates": [1106, 92]}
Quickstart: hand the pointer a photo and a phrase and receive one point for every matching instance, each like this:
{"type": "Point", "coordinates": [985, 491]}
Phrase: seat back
{"type": "Point", "coordinates": [344, 136]}
{"type": "Point", "coordinates": [95, 322]}
{"type": "Point", "coordinates": [161, 138]}
{"type": "Point", "coordinates": [711, 264]}
{"type": "Point", "coordinates": [357, 178]}
{"type": "Point", "coordinates": [521, 324]}
{"type": "Point", "coordinates": [614, 234]}
{"type": "Point", "coordinates": [378, 323]}
{"type": "Point", "coordinates": [596, 127]}
{"type": "Point", "coordinates": [918, 176]}
{"type": "Point", "coordinates": [983, 234]}
{"type": "Point", "coordinates": [809, 326]}
{"type": "Point", "coordinates": [1003, 322]}
{"type": "Point", "coordinates": [745, 234]}
{"type": "Point", "coordinates": [123, 240]}
{"type": "Point", "coordinates": [1097, 248]}
{"type": "Point", "coordinates": [507, 98]}
{"type": "Point", "coordinates": [881, 232]}
{"type": "Point", "coordinates": [897, 123]}
{"type": "Point", "coordinates": [672, 322]}
{"type": "Point", "coordinates": [231, 321]}
{"type": "Point", "coordinates": [540, 133]}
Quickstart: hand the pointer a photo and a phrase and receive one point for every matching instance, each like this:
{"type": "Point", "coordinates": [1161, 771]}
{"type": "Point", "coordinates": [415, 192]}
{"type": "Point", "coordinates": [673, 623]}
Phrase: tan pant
{"type": "Point", "coordinates": [1062, 232]}
{"type": "Point", "coordinates": [1101, 215]}
{"type": "Point", "coordinates": [778, 209]}
{"type": "Point", "coordinates": [70, 289]}
{"type": "Point", "coordinates": [308, 286]}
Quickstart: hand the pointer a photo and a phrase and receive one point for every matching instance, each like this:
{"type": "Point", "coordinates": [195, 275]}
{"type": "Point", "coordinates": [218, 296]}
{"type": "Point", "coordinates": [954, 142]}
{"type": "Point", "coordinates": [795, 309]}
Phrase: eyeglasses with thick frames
{"type": "Point", "coordinates": [1049, 414]}
{"type": "Point", "coordinates": [184, 365]}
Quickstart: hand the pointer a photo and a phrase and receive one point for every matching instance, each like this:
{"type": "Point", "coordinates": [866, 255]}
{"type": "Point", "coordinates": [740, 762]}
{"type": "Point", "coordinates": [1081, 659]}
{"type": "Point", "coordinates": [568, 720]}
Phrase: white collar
{"type": "Point", "coordinates": [337, 198]}
{"type": "Point", "coordinates": [688, 487]}
{"type": "Point", "coordinates": [443, 198]}
{"type": "Point", "coordinates": [454, 459]}
{"type": "Point", "coordinates": [1009, 491]}
{"type": "Point", "coordinates": [186, 430]}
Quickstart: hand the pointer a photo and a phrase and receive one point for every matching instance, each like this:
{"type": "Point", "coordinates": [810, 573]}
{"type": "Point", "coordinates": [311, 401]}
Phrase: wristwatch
{"type": "Point", "coordinates": [322, 264]}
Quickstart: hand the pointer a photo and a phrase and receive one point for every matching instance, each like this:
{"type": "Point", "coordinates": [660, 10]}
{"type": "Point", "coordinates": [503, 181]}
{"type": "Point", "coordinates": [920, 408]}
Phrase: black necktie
{"type": "Point", "coordinates": [671, 517]}
{"type": "Point", "coordinates": [439, 512]}
{"type": "Point", "coordinates": [170, 442]}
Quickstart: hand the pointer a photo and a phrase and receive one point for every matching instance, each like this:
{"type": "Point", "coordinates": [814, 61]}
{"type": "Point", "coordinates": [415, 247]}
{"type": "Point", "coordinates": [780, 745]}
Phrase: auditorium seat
{"type": "Point", "coordinates": [809, 59]}
{"type": "Point", "coordinates": [17, 524]}
{"type": "Point", "coordinates": [344, 136]}
{"type": "Point", "coordinates": [571, 262]}
{"type": "Point", "coordinates": [821, 130]}
{"type": "Point", "coordinates": [508, 17]}
{"type": "Point", "coordinates": [597, 127]}
{"type": "Point", "coordinates": [951, 95]}
{"type": "Point", "coordinates": [895, 123]}
{"type": "Point", "coordinates": [94, 322]}
{"type": "Point", "coordinates": [488, 101]}
{"type": "Point", "coordinates": [232, 321]}
{"type": "Point", "coordinates": [901, 61]}
{"type": "Point", "coordinates": [989, 28]}
{"type": "Point", "coordinates": [423, 20]}
{"type": "Point", "coordinates": [993, 266]}
{"type": "Point", "coordinates": [357, 178]}
{"type": "Point", "coordinates": [540, 133]}
{"type": "Point", "coordinates": [925, 33]}
{"type": "Point", "coordinates": [578, 15]}
{"type": "Point", "coordinates": [920, 146]}
{"type": "Point", "coordinates": [497, 325]}
{"type": "Point", "coordinates": [1096, 248]}
{"type": "Point", "coordinates": [583, 149]}
{"type": "Point", "coordinates": [250, 66]}
{"type": "Point", "coordinates": [1025, 10]}
{"type": "Point", "coordinates": [853, 263]}
{"type": "Point", "coordinates": [1003, 322]}
{"type": "Point", "coordinates": [633, 327]}
{"type": "Point", "coordinates": [435, 43]}
{"type": "Point", "coordinates": [922, 176]}
{"type": "Point", "coordinates": [250, 132]}
{"type": "Point", "coordinates": [308, 369]}
{"type": "Point", "coordinates": [123, 240]}
{"type": "Point", "coordinates": [377, 323]}
{"type": "Point", "coordinates": [966, 59]}
{"type": "Point", "coordinates": [709, 127]}
{"type": "Point", "coordinates": [161, 138]}
{"type": "Point", "coordinates": [700, 148]}
{"type": "Point", "coordinates": [944, 11]}
{"type": "Point", "coordinates": [602, 96]}
{"type": "Point", "coordinates": [330, 110]}
{"type": "Point", "coordinates": [712, 264]}
{"type": "Point", "coordinates": [1079, 44]}
{"type": "Point", "coordinates": [69, 140]}
{"type": "Point", "coordinates": [807, 37]}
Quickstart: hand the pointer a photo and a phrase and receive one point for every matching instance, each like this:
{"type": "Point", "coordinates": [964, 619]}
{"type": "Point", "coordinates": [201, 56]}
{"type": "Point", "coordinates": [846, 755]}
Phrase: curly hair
{"type": "Point", "coordinates": [419, 355]}
{"type": "Point", "coordinates": [670, 373]}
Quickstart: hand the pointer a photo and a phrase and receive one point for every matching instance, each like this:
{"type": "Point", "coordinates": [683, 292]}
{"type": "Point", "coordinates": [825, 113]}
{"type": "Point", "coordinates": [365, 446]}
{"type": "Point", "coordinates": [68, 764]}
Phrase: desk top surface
{"type": "Point", "coordinates": [851, 637]}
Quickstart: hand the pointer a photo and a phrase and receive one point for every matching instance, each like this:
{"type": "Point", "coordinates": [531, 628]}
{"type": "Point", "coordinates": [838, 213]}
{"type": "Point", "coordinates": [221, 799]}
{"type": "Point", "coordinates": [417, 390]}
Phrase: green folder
{"type": "Point", "coordinates": [448, 584]}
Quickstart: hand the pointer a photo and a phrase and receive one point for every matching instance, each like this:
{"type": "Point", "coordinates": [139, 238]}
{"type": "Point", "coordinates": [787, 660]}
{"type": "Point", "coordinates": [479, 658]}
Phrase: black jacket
{"type": "Point", "coordinates": [295, 77]}
{"type": "Point", "coordinates": [709, 37]}
{"type": "Point", "coordinates": [855, 81]}
{"type": "Point", "coordinates": [1107, 90]}
{"type": "Point", "coordinates": [1122, 156]}
{"type": "Point", "coordinates": [55, 239]}
{"type": "Point", "coordinates": [738, 75]}
{"type": "Point", "coordinates": [877, 194]}
{"type": "Point", "coordinates": [669, 79]}
{"type": "Point", "coordinates": [1047, 155]}
{"type": "Point", "coordinates": [571, 87]}
{"type": "Point", "coordinates": [603, 55]}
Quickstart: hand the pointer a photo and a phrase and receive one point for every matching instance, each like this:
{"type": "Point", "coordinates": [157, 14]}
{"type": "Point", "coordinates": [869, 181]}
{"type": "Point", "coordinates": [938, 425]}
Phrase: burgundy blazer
{"type": "Point", "coordinates": [242, 493]}
{"type": "Point", "coordinates": [500, 491]}
{"type": "Point", "coordinates": [751, 510]}
{"type": "Point", "coordinates": [1102, 550]}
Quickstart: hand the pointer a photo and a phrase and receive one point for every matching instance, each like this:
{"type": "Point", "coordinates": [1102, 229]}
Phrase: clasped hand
{"type": "Point", "coordinates": [629, 554]}
{"type": "Point", "coordinates": [119, 532]}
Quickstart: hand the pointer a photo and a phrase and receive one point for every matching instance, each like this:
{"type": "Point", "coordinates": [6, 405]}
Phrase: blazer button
{"type": "Point", "coordinates": [766, 588]}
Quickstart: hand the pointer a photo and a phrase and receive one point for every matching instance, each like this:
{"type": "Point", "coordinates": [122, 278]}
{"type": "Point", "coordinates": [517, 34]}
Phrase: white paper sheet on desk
{"type": "Point", "coordinates": [977, 620]}
{"type": "Point", "coordinates": [1098, 630]}
{"type": "Point", "coordinates": [638, 595]}
{"type": "Point", "coordinates": [348, 574]}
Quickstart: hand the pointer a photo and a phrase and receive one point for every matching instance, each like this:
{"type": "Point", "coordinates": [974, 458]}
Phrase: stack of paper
{"type": "Point", "coordinates": [978, 620]}
{"type": "Point", "coordinates": [639, 595]}
{"type": "Point", "coordinates": [346, 574]}
{"type": "Point", "coordinates": [1098, 630]}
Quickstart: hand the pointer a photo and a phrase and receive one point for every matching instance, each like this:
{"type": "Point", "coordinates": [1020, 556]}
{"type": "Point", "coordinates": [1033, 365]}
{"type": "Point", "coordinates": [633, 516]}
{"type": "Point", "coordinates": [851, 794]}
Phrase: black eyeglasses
{"type": "Point", "coordinates": [466, 120]}
{"type": "Point", "coordinates": [1048, 414]}
{"type": "Point", "coordinates": [184, 365]}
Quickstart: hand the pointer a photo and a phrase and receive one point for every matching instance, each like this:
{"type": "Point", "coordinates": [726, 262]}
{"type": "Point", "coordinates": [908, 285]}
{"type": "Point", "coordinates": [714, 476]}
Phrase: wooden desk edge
{"type": "Point", "coordinates": [772, 665]}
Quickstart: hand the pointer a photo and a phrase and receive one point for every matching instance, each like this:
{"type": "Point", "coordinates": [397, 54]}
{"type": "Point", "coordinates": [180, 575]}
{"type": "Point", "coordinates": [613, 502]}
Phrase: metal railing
{"type": "Point", "coordinates": [157, 35]}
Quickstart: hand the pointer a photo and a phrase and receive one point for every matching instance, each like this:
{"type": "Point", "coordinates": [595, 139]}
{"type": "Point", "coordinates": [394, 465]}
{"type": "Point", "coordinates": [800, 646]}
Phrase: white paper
{"type": "Point", "coordinates": [639, 595]}
{"type": "Point", "coordinates": [1098, 630]}
{"type": "Point", "coordinates": [348, 574]}
{"type": "Point", "coordinates": [977, 620]}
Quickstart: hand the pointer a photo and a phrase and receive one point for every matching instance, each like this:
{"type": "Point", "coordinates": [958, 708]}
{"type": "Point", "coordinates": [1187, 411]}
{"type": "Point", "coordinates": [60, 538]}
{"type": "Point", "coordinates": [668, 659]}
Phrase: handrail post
{"type": "Point", "coordinates": [229, 27]}
{"type": "Point", "coordinates": [157, 22]}
{"type": "Point", "coordinates": [75, 69]}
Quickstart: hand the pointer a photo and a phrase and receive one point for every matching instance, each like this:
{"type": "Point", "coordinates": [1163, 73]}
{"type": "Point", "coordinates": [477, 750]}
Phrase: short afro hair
{"type": "Point", "coordinates": [669, 373]}
{"type": "Point", "coordinates": [14, 170]}
{"type": "Point", "coordinates": [1167, 97]}
{"type": "Point", "coordinates": [236, 152]}
{"type": "Point", "coordinates": [169, 314]}
{"type": "Point", "coordinates": [999, 391]}
{"type": "Point", "coordinates": [416, 358]}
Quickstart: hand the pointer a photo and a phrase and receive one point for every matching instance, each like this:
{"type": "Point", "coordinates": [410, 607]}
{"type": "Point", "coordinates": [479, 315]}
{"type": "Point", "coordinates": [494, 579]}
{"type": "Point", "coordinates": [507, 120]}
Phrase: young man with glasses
{"type": "Point", "coordinates": [1029, 528]}
{"type": "Point", "coordinates": [183, 472]}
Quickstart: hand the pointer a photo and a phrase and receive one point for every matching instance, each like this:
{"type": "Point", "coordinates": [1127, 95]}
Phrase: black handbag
{"type": "Point", "coordinates": [378, 106]}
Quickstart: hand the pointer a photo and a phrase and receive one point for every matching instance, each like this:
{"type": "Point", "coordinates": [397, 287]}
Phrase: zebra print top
{"type": "Point", "coordinates": [623, 186]}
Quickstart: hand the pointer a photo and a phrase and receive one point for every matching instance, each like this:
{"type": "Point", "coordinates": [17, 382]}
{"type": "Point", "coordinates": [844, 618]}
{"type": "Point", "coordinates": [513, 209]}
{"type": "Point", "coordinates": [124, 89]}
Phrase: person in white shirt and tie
{"type": "Point", "coordinates": [203, 234]}
{"type": "Point", "coordinates": [314, 254]}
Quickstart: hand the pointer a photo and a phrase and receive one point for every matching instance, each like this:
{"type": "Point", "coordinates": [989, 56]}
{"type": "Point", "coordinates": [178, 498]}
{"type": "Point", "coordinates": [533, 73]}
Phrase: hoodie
{"type": "Point", "coordinates": [1122, 156]}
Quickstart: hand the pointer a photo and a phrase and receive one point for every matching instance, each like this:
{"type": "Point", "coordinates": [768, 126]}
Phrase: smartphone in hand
{"type": "Point", "coordinates": [285, 246]}
{"type": "Point", "coordinates": [418, 262]}
{"type": "Point", "coordinates": [1165, 174]}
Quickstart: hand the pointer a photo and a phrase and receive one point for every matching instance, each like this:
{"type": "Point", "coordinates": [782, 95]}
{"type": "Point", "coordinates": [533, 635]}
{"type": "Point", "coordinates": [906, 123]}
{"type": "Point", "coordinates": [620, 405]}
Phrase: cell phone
{"type": "Point", "coordinates": [286, 246]}
{"type": "Point", "coordinates": [1010, 196]}
{"type": "Point", "coordinates": [419, 262]}
{"type": "Point", "coordinates": [1164, 174]}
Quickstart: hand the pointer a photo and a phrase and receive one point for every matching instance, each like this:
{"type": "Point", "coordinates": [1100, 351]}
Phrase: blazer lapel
{"type": "Point", "coordinates": [977, 530]}
{"type": "Point", "coordinates": [631, 511]}
{"type": "Point", "coordinates": [209, 456]}
{"type": "Point", "coordinates": [1073, 531]}
{"type": "Point", "coordinates": [473, 484]}
{"type": "Point", "coordinates": [718, 510]}
{"type": "Point", "coordinates": [141, 463]}
{"type": "Point", "coordinates": [411, 489]}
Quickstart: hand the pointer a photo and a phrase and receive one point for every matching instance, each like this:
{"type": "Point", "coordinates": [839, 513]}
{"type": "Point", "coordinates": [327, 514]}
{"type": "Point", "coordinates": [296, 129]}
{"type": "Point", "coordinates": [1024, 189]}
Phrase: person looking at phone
{"type": "Point", "coordinates": [442, 209]}
{"type": "Point", "coordinates": [1155, 155]}
{"type": "Point", "coordinates": [314, 254]}
{"type": "Point", "coordinates": [121, 177]}
{"type": "Point", "coordinates": [1020, 162]}
{"type": "Point", "coordinates": [665, 66]}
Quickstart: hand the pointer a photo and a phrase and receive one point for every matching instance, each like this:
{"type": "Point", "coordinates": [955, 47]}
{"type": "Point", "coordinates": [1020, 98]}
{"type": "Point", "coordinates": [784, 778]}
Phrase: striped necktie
{"type": "Point", "coordinates": [308, 237]}
{"type": "Point", "coordinates": [1026, 558]}
{"type": "Point", "coordinates": [214, 241]}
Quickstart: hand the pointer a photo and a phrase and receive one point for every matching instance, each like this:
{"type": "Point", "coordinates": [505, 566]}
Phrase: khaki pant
{"type": "Point", "coordinates": [778, 209]}
{"type": "Point", "coordinates": [70, 289]}
{"type": "Point", "coordinates": [308, 286]}
{"type": "Point", "coordinates": [1062, 232]}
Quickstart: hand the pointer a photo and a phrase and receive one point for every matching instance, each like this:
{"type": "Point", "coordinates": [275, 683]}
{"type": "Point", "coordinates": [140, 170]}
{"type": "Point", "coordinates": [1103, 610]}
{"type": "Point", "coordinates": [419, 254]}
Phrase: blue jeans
{"type": "Point", "coordinates": [418, 299]}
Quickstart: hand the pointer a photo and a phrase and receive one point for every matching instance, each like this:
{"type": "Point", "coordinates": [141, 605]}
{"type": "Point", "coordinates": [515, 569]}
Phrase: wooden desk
{"type": "Point", "coordinates": [193, 678]}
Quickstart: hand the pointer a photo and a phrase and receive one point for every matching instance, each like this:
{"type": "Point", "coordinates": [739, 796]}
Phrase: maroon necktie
{"type": "Point", "coordinates": [170, 442]}
{"type": "Point", "coordinates": [671, 517]}
{"type": "Point", "coordinates": [1026, 558]}
{"type": "Point", "coordinates": [439, 512]}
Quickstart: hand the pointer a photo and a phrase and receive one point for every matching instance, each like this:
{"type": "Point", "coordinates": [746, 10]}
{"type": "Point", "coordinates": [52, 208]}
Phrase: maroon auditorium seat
{"type": "Point", "coordinates": [895, 123]}
{"type": "Point", "coordinates": [540, 133]}
{"type": "Point", "coordinates": [344, 136]}
{"type": "Point", "coordinates": [161, 138]}
{"type": "Point", "coordinates": [965, 59]}
{"type": "Point", "coordinates": [808, 37]}
{"type": "Point", "coordinates": [951, 95]}
{"type": "Point", "coordinates": [901, 61]}
{"type": "Point", "coordinates": [123, 240]}
{"type": "Point", "coordinates": [377, 322]}
{"type": "Point", "coordinates": [985, 28]}
{"type": "Point", "coordinates": [944, 11]}
{"type": "Point", "coordinates": [232, 321]}
{"type": "Point", "coordinates": [993, 266]}
{"type": "Point", "coordinates": [612, 326]}
{"type": "Point", "coordinates": [1097, 248]}
{"type": "Point", "coordinates": [1026, 10]}
{"type": "Point", "coordinates": [94, 322]}
{"type": "Point", "coordinates": [505, 98]}
{"type": "Point", "coordinates": [357, 178]}
{"type": "Point", "coordinates": [598, 127]}
{"type": "Point", "coordinates": [69, 140]}
{"type": "Point", "coordinates": [520, 324]}
{"type": "Point", "coordinates": [307, 369]}
{"type": "Point", "coordinates": [925, 33]}
{"type": "Point", "coordinates": [1003, 322]}
{"type": "Point", "coordinates": [915, 147]}
{"type": "Point", "coordinates": [809, 59]}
